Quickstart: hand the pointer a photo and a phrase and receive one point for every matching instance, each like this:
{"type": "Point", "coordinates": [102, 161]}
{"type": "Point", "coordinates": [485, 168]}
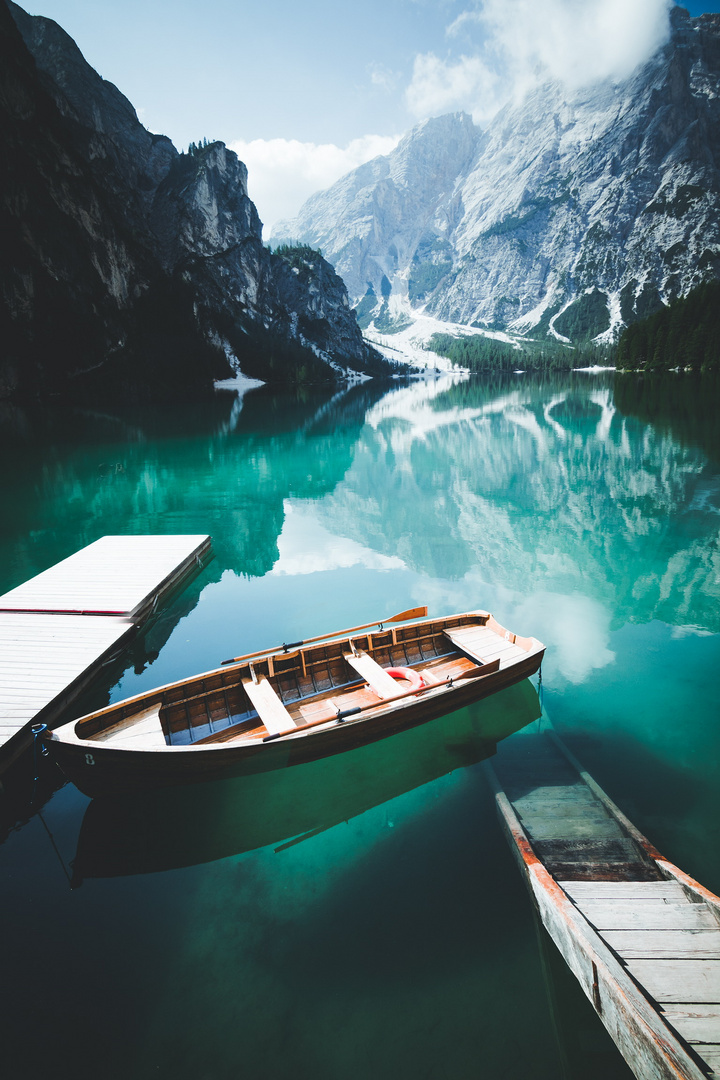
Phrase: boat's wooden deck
{"type": "Point", "coordinates": [485, 644]}
{"type": "Point", "coordinates": [145, 732]}
{"type": "Point", "coordinates": [665, 935]}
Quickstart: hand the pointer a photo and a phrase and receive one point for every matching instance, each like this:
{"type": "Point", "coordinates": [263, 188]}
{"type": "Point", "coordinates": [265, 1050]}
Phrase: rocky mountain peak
{"type": "Point", "coordinates": [128, 266]}
{"type": "Point", "coordinates": [573, 214]}
{"type": "Point", "coordinates": [372, 221]}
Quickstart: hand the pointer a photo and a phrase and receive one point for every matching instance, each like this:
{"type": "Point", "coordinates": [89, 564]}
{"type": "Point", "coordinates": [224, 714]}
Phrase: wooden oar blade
{"type": "Point", "coordinates": [411, 613]}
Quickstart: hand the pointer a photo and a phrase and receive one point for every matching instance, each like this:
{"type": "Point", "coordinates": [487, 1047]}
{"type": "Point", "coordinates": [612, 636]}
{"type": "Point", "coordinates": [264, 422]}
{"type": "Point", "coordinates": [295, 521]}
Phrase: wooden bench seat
{"type": "Point", "coordinates": [269, 707]}
{"type": "Point", "coordinates": [375, 676]}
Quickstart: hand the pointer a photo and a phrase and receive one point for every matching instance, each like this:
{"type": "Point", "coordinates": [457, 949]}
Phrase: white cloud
{"type": "Point", "coordinates": [517, 43]}
{"type": "Point", "coordinates": [307, 547]}
{"type": "Point", "coordinates": [383, 77]}
{"type": "Point", "coordinates": [283, 173]}
{"type": "Point", "coordinates": [440, 86]}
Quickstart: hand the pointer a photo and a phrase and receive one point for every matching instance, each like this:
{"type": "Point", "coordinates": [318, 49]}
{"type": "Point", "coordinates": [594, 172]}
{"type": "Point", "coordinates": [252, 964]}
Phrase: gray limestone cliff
{"type": "Point", "coordinates": [573, 213]}
{"type": "Point", "coordinates": [127, 266]}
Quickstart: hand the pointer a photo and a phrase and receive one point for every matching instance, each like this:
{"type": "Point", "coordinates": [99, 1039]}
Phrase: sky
{"type": "Point", "coordinates": [304, 92]}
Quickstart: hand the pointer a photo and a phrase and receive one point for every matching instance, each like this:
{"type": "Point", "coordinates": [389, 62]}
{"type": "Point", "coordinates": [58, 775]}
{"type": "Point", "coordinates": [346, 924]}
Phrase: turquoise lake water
{"type": "Point", "coordinates": [362, 916]}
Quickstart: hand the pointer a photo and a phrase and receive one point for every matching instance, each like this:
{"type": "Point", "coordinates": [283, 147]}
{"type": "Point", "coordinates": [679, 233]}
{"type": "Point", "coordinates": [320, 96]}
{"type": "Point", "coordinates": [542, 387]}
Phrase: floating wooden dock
{"type": "Point", "coordinates": [641, 937]}
{"type": "Point", "coordinates": [58, 629]}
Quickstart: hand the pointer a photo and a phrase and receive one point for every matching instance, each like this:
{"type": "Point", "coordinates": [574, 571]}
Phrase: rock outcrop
{"type": "Point", "coordinates": [127, 266]}
{"type": "Point", "coordinates": [573, 214]}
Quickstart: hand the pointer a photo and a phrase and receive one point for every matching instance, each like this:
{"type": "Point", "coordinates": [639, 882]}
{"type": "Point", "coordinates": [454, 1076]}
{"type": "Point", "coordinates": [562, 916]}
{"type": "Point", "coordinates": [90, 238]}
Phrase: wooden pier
{"type": "Point", "coordinates": [641, 937]}
{"type": "Point", "coordinates": [59, 629]}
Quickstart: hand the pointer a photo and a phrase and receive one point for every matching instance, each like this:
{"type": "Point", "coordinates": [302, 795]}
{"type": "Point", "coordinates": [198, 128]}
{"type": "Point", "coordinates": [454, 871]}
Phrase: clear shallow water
{"type": "Point", "coordinates": [395, 937]}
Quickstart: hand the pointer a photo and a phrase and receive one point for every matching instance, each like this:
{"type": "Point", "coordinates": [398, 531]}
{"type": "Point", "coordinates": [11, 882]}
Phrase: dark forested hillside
{"type": "Point", "coordinates": [684, 335]}
{"type": "Point", "coordinates": [478, 353]}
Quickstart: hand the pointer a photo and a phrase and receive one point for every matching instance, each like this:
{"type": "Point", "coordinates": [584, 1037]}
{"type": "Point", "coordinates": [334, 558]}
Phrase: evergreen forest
{"type": "Point", "coordinates": [479, 353]}
{"type": "Point", "coordinates": [684, 335]}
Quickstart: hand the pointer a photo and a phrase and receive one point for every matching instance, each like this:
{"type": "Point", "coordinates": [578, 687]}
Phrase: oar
{"type": "Point", "coordinates": [341, 714]}
{"type": "Point", "coordinates": [402, 616]}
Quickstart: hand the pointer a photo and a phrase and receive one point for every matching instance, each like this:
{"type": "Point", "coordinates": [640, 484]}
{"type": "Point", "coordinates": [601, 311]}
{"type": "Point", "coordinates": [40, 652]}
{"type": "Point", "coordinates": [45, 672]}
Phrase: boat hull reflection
{"type": "Point", "coordinates": [175, 827]}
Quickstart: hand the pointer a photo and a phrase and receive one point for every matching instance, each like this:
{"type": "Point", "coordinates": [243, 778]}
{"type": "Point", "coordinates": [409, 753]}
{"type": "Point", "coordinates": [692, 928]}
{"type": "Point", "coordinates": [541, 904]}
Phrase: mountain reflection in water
{"type": "Point", "coordinates": [581, 508]}
{"type": "Point", "coordinates": [143, 833]}
{"type": "Point", "coordinates": [538, 482]}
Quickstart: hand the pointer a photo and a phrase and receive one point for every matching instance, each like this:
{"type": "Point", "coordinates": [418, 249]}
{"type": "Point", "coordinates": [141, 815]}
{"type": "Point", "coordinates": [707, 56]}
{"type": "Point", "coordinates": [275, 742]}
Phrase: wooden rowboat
{"type": "Point", "coordinates": [295, 703]}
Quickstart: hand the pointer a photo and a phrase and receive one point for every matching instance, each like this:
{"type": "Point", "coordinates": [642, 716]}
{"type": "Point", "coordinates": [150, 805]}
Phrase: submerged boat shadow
{"type": "Point", "coordinates": [178, 827]}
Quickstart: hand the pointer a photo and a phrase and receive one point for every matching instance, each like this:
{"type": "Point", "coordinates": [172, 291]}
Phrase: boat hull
{"type": "Point", "coordinates": [96, 753]}
{"type": "Point", "coordinates": [99, 770]}
{"type": "Point", "coordinates": [146, 832]}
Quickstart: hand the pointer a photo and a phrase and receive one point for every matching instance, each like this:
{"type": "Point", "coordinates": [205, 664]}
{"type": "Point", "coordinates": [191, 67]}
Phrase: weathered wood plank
{"type": "Point", "coordinates": [664, 944]}
{"type": "Point", "coordinates": [640, 1034]}
{"type": "Point", "coordinates": [570, 828]}
{"type": "Point", "coordinates": [679, 980]}
{"type": "Point", "coordinates": [581, 849]}
{"type": "Point", "coordinates": [657, 891]}
{"type": "Point", "coordinates": [710, 1055]}
{"type": "Point", "coordinates": [557, 797]}
{"type": "Point", "coordinates": [696, 1023]}
{"type": "Point", "coordinates": [603, 872]}
{"type": "Point", "coordinates": [635, 915]}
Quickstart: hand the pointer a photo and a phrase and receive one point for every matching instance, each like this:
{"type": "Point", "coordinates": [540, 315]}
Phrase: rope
{"type": "Point", "coordinates": [55, 849]}
{"type": "Point", "coordinates": [37, 733]}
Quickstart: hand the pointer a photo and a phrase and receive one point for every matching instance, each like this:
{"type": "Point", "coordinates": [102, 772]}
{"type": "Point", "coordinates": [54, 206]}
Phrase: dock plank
{"type": "Point", "coordinates": [711, 1056]}
{"type": "Point", "coordinates": [588, 827]}
{"type": "Point", "coordinates": [645, 949]}
{"type": "Point", "coordinates": [115, 575]}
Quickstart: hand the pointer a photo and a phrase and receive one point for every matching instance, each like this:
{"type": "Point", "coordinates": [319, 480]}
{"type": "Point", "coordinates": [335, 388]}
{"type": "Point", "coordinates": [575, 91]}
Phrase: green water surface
{"type": "Point", "coordinates": [362, 916]}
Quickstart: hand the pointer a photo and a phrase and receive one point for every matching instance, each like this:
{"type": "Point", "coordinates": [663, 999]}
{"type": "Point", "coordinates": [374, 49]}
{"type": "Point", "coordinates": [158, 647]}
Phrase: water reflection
{"type": "Point", "coordinates": [201, 823]}
{"type": "Point", "coordinates": [74, 475]}
{"type": "Point", "coordinates": [545, 487]}
{"type": "Point", "coordinates": [569, 505]}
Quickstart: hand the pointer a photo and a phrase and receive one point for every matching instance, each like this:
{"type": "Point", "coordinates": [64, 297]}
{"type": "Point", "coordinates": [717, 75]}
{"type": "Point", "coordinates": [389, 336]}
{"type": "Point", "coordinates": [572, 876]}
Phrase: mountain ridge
{"type": "Point", "coordinates": [614, 188]}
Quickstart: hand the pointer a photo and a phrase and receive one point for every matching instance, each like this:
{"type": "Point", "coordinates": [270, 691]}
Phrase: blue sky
{"type": "Point", "coordinates": [305, 91]}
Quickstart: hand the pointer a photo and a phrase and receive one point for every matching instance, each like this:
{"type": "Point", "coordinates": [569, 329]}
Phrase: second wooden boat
{"type": "Point", "coordinates": [295, 703]}
{"type": "Point", "coordinates": [640, 935]}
